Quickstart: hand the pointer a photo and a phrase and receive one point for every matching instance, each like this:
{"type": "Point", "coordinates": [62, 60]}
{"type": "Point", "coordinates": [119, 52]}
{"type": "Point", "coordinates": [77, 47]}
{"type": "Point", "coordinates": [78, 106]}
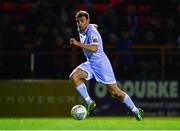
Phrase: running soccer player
{"type": "Point", "coordinates": [97, 65]}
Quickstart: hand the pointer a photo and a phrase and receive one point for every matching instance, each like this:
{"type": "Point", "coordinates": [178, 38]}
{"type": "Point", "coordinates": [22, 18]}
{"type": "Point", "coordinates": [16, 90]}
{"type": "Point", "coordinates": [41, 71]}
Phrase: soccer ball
{"type": "Point", "coordinates": [79, 112]}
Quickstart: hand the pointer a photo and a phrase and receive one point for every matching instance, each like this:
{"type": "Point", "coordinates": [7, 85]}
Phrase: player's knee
{"type": "Point", "coordinates": [116, 94]}
{"type": "Point", "coordinates": [74, 77]}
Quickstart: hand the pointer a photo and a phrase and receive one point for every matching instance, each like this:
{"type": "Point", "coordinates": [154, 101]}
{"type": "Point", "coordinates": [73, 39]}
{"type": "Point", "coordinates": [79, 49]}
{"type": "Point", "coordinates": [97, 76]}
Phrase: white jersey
{"type": "Point", "coordinates": [92, 36]}
{"type": "Point", "coordinates": [98, 64]}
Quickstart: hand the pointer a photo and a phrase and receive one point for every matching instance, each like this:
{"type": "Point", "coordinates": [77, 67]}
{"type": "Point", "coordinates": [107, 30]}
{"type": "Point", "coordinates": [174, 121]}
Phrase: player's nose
{"type": "Point", "coordinates": [80, 23]}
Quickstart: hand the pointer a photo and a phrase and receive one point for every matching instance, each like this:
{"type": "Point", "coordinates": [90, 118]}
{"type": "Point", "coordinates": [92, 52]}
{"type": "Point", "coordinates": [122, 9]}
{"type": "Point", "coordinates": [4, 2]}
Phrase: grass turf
{"type": "Point", "coordinates": [91, 123]}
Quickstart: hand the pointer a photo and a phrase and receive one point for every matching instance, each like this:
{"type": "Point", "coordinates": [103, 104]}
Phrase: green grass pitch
{"type": "Point", "coordinates": [91, 123]}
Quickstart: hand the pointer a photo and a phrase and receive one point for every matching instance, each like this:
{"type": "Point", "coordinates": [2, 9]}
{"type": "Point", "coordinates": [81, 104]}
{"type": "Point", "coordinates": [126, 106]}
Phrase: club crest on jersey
{"type": "Point", "coordinates": [82, 38]}
{"type": "Point", "coordinates": [94, 38]}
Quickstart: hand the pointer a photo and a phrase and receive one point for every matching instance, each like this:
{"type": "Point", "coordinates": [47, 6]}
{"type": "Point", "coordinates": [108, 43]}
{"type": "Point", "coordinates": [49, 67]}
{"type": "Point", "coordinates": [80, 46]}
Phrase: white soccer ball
{"type": "Point", "coordinates": [79, 112]}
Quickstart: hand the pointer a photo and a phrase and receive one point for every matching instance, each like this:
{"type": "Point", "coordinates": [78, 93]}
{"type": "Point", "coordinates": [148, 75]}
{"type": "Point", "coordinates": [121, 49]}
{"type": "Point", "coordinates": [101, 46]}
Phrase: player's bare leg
{"type": "Point", "coordinates": [77, 77]}
{"type": "Point", "coordinates": [123, 97]}
{"type": "Point", "coordinates": [115, 91]}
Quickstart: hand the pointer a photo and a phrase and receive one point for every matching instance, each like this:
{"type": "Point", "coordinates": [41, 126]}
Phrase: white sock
{"type": "Point", "coordinates": [82, 90]}
{"type": "Point", "coordinates": [129, 103]}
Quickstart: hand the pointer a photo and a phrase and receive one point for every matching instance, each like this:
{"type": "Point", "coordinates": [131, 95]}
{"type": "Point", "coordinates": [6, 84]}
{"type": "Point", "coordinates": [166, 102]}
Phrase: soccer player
{"type": "Point", "coordinates": [97, 65]}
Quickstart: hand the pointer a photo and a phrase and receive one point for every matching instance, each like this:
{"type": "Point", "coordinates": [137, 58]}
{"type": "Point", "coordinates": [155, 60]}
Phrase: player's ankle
{"type": "Point", "coordinates": [88, 100]}
{"type": "Point", "coordinates": [135, 110]}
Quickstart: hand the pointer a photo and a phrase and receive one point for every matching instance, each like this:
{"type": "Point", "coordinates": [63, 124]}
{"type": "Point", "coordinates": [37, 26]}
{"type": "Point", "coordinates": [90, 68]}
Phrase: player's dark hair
{"type": "Point", "coordinates": [82, 13]}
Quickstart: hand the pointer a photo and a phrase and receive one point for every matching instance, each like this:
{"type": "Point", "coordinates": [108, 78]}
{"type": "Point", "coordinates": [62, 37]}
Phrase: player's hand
{"type": "Point", "coordinates": [73, 41]}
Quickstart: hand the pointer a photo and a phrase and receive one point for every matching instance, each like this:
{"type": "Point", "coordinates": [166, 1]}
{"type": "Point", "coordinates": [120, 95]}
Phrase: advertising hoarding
{"type": "Point", "coordinates": [156, 98]}
{"type": "Point", "coordinates": [37, 98]}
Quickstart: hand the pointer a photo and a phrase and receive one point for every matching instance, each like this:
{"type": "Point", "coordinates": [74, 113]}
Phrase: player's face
{"type": "Point", "coordinates": [82, 23]}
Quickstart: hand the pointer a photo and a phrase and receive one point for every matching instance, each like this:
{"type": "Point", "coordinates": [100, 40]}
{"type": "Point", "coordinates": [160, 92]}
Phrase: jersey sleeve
{"type": "Point", "coordinates": [93, 38]}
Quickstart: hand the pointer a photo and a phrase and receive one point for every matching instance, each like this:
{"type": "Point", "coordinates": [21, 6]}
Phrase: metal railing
{"type": "Point", "coordinates": [139, 62]}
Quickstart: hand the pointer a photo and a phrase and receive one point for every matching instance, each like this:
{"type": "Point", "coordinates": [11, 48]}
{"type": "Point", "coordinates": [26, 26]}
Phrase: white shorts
{"type": "Point", "coordinates": [101, 71]}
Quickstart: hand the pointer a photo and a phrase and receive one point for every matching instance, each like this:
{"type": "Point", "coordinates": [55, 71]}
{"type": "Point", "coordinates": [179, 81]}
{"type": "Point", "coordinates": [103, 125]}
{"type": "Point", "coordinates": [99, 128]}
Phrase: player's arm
{"type": "Point", "coordinates": [89, 47]}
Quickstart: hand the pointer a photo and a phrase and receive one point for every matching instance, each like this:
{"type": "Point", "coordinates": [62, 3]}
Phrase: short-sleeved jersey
{"type": "Point", "coordinates": [97, 64]}
{"type": "Point", "coordinates": [92, 36]}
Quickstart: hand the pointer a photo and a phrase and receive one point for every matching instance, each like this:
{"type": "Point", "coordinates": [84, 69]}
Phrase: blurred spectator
{"type": "Point", "coordinates": [132, 20]}
{"type": "Point", "coordinates": [45, 25]}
